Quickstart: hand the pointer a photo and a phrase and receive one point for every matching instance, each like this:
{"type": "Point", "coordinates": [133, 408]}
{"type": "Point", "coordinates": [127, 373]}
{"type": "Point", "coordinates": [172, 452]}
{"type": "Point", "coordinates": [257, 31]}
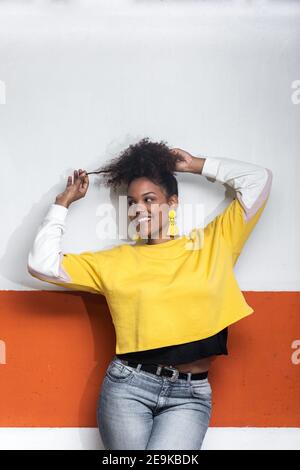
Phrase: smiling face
{"type": "Point", "coordinates": [148, 207]}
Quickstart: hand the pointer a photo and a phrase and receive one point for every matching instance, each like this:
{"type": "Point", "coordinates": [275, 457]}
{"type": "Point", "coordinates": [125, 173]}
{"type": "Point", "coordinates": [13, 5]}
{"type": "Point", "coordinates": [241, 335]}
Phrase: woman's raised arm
{"type": "Point", "coordinates": [47, 262]}
{"type": "Point", "coordinates": [251, 183]}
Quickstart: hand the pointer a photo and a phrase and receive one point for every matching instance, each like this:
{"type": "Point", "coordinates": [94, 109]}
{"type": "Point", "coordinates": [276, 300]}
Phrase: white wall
{"type": "Point", "coordinates": [88, 439]}
{"type": "Point", "coordinates": [82, 80]}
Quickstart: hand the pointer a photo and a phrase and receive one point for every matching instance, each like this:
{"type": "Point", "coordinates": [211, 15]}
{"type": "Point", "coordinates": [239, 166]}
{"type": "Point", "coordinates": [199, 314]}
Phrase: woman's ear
{"type": "Point", "coordinates": [173, 202]}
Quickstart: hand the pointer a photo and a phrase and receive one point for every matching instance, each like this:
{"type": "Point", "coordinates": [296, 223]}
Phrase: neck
{"type": "Point", "coordinates": [161, 239]}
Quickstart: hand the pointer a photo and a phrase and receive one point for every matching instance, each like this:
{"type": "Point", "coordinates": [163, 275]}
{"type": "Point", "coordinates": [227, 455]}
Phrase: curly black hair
{"type": "Point", "coordinates": [145, 158]}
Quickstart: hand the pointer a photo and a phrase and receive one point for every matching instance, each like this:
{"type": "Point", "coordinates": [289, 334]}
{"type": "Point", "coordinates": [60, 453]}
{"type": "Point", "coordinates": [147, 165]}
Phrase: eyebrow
{"type": "Point", "coordinates": [149, 192]}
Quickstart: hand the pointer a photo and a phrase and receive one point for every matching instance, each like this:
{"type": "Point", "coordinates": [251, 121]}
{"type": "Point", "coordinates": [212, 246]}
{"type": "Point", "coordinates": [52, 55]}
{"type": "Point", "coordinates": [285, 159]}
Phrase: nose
{"type": "Point", "coordinates": [139, 209]}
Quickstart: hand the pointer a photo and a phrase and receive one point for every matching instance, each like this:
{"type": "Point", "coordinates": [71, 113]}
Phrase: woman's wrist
{"type": "Point", "coordinates": [196, 165]}
{"type": "Point", "coordinates": [62, 202]}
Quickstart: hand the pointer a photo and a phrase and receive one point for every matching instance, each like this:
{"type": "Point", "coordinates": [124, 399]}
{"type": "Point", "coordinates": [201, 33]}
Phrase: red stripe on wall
{"type": "Point", "coordinates": [55, 347]}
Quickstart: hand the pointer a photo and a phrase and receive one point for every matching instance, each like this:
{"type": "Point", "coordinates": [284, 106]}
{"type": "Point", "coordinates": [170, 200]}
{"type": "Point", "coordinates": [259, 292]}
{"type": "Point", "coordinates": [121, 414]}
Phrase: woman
{"type": "Point", "coordinates": [171, 296]}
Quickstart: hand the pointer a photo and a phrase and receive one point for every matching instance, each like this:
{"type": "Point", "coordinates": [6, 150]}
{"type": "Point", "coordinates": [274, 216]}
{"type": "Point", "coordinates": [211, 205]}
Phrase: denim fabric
{"type": "Point", "coordinates": [137, 409]}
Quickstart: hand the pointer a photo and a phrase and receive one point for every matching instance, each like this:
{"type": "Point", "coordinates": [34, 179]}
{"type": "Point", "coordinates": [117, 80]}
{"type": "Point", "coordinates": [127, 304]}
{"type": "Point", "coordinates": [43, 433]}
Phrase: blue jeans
{"type": "Point", "coordinates": [137, 409]}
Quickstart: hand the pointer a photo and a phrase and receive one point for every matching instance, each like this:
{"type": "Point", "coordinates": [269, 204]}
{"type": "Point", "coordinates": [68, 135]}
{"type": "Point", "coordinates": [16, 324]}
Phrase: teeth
{"type": "Point", "coordinates": [143, 218]}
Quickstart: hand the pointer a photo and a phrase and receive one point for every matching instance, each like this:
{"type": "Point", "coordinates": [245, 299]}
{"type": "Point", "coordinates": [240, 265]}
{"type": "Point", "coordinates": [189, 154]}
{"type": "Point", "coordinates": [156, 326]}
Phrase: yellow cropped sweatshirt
{"type": "Point", "coordinates": [173, 292]}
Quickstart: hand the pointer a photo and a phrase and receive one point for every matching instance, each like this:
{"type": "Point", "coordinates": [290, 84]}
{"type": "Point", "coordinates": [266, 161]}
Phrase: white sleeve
{"type": "Point", "coordinates": [44, 259]}
{"type": "Point", "coordinates": [251, 182]}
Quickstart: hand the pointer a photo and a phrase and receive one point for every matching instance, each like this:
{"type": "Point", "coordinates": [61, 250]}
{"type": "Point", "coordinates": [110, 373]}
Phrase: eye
{"type": "Point", "coordinates": [146, 198]}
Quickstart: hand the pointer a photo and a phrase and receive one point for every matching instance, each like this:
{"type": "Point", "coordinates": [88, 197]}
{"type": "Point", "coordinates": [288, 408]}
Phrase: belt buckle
{"type": "Point", "coordinates": [175, 373]}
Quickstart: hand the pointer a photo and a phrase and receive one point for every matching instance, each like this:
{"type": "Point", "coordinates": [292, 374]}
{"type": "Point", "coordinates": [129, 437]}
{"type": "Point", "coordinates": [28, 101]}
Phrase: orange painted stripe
{"type": "Point", "coordinates": [58, 345]}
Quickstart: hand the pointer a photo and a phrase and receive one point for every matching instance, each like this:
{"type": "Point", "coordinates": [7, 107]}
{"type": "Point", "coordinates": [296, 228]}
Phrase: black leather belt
{"type": "Point", "coordinates": [167, 371]}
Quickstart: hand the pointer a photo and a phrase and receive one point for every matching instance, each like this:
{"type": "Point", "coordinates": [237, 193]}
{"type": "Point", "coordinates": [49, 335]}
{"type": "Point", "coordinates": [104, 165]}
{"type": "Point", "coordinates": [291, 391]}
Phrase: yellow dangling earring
{"type": "Point", "coordinates": [172, 229]}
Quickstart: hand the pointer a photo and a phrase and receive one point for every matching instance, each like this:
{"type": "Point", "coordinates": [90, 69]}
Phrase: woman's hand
{"type": "Point", "coordinates": [184, 159]}
{"type": "Point", "coordinates": [186, 162]}
{"type": "Point", "coordinates": [75, 189]}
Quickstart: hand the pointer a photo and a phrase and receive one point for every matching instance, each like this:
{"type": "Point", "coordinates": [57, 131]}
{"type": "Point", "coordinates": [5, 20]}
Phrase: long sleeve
{"type": "Point", "coordinates": [252, 184]}
{"type": "Point", "coordinates": [47, 262]}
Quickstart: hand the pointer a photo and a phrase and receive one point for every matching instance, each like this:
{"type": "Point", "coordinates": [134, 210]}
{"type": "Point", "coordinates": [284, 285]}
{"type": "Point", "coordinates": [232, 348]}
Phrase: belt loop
{"type": "Point", "coordinates": [138, 367]}
{"type": "Point", "coordinates": [189, 377]}
{"type": "Point", "coordinates": [158, 370]}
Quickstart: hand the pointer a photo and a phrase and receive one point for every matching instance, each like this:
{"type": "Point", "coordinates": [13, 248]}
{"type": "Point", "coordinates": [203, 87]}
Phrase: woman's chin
{"type": "Point", "coordinates": [147, 234]}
